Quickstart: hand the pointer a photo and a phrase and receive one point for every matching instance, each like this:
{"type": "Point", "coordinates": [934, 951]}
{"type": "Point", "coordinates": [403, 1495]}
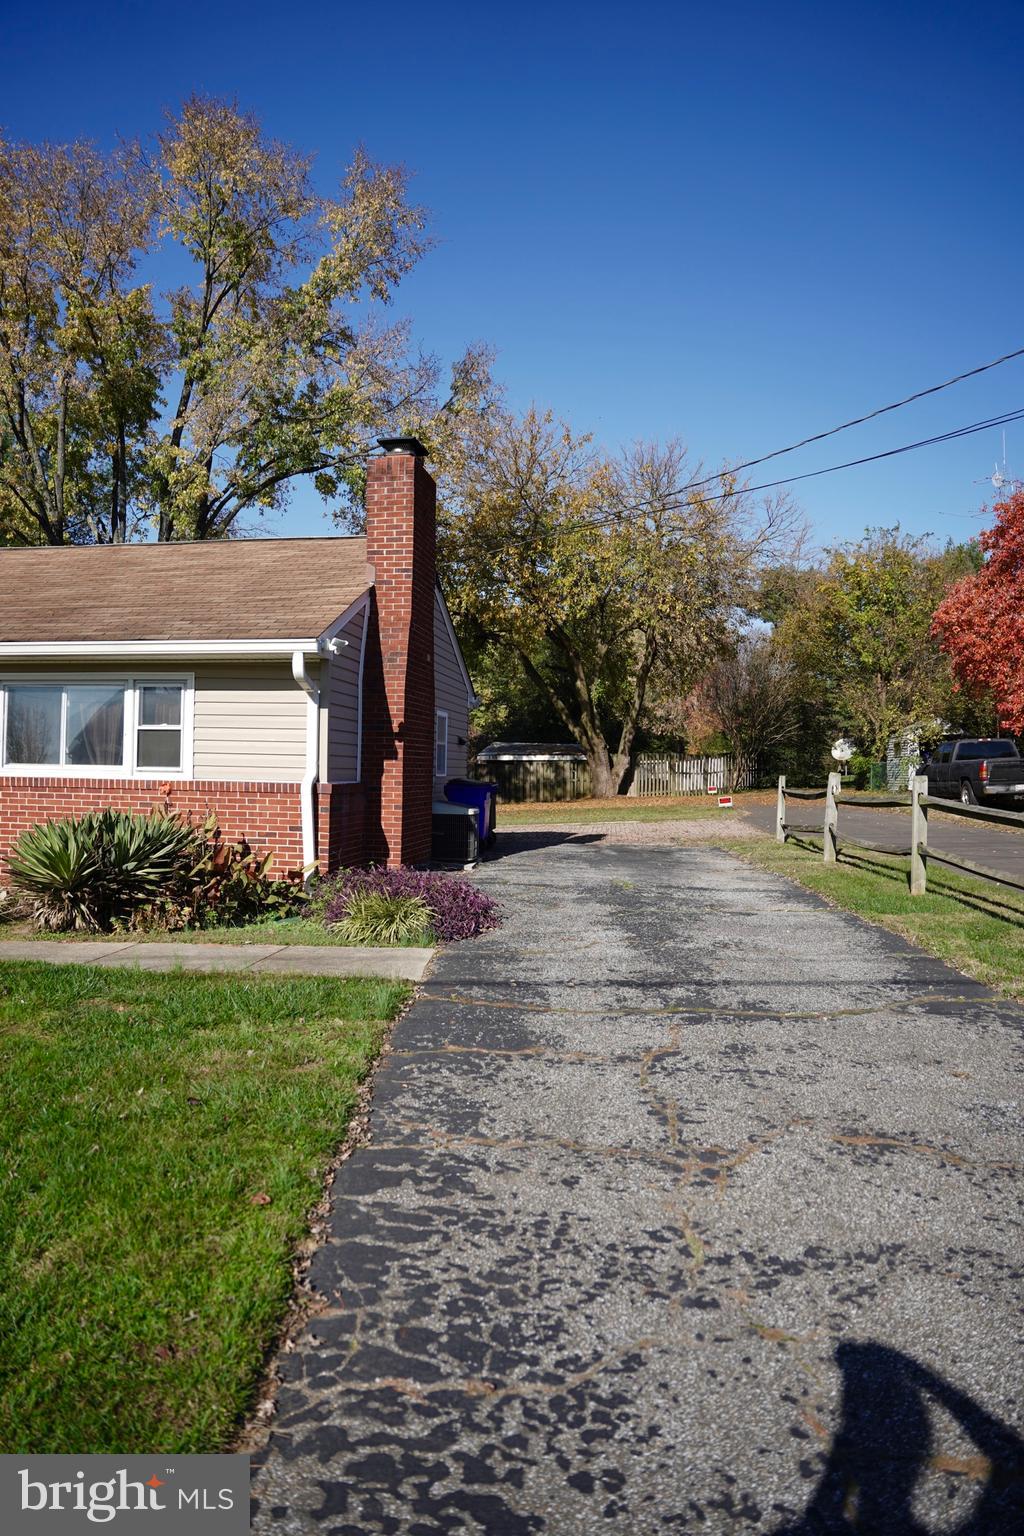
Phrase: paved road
{"type": "Point", "coordinates": [999, 849]}
{"type": "Point", "coordinates": [692, 1205]}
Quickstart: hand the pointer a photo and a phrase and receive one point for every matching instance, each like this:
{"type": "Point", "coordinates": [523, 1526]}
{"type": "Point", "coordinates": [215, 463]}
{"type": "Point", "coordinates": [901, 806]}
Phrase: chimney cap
{"type": "Point", "coordinates": [403, 445]}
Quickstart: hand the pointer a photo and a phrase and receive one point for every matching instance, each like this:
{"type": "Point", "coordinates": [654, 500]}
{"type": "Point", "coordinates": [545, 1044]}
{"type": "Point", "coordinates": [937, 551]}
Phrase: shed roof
{"type": "Point", "coordinates": [530, 751]}
{"type": "Point", "coordinates": [234, 589]}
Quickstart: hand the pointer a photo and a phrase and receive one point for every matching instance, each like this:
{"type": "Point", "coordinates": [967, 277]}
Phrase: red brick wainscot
{"type": "Point", "coordinates": [267, 816]}
{"type": "Point", "coordinates": [342, 818]}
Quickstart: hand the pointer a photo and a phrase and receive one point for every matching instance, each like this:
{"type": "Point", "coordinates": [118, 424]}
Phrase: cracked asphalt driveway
{"type": "Point", "coordinates": [691, 1205]}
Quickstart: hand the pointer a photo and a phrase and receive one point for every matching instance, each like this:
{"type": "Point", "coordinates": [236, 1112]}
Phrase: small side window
{"type": "Point", "coordinates": [441, 743]}
{"type": "Point", "coordinates": [158, 733]}
{"type": "Point", "coordinates": [945, 752]}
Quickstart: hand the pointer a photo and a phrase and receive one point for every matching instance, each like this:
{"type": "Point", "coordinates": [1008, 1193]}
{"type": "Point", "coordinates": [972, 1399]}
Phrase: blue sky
{"type": "Point", "coordinates": [736, 223]}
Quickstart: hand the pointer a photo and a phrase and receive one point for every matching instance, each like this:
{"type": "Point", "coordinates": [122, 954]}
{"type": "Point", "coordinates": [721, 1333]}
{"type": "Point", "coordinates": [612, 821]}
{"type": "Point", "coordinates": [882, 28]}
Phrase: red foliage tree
{"type": "Point", "coordinates": [980, 622]}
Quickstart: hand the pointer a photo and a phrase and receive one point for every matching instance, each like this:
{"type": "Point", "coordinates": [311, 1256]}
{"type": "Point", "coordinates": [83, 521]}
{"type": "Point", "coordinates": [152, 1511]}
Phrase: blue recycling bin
{"type": "Point", "coordinates": [482, 797]}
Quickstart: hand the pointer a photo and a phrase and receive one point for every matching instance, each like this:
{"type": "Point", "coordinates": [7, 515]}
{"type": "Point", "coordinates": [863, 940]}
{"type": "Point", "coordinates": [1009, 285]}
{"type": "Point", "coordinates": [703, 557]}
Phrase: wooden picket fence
{"type": "Point", "coordinates": [686, 775]}
{"type": "Point", "coordinates": [554, 779]}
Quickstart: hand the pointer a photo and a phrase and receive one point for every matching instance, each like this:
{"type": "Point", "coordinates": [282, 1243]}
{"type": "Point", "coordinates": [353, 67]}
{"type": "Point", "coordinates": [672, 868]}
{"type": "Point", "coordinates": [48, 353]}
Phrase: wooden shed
{"type": "Point", "coordinates": [535, 770]}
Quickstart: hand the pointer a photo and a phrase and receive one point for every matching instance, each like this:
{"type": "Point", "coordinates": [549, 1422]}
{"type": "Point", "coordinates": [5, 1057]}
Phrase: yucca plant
{"type": "Point", "coordinates": [57, 865]}
{"type": "Point", "coordinates": [95, 871]}
{"type": "Point", "coordinates": [375, 917]}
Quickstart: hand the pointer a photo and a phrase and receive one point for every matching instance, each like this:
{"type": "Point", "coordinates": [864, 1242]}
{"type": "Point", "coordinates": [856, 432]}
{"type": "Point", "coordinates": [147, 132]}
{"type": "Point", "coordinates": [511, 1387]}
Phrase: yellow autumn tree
{"type": "Point", "coordinates": [598, 577]}
{"type": "Point", "coordinates": [124, 411]}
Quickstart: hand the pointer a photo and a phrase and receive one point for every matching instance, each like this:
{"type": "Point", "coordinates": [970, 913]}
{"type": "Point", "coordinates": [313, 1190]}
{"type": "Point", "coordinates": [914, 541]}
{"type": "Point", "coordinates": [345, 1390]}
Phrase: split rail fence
{"type": "Point", "coordinates": [919, 802]}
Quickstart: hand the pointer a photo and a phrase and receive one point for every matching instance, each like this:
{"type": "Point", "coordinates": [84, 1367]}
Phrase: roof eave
{"type": "Point", "coordinates": [58, 650]}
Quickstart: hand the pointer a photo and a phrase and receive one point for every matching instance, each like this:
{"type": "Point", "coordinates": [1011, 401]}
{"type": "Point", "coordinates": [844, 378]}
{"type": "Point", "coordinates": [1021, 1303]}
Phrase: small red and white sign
{"type": "Point", "coordinates": [712, 789]}
{"type": "Point", "coordinates": [725, 799]}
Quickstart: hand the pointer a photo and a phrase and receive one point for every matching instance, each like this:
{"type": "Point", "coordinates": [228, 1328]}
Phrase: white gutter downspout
{"type": "Point", "coordinates": [312, 773]}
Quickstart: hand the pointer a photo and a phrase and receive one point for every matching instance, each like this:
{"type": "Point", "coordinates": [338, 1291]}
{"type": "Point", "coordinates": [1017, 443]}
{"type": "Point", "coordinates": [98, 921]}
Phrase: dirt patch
{"type": "Point", "coordinates": [524, 808]}
{"type": "Point", "coordinates": [666, 833]}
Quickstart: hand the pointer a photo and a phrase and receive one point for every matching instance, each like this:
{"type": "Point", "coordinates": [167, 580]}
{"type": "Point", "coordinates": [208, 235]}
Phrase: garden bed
{"type": "Point", "coordinates": [134, 878]}
{"type": "Point", "coordinates": [285, 930]}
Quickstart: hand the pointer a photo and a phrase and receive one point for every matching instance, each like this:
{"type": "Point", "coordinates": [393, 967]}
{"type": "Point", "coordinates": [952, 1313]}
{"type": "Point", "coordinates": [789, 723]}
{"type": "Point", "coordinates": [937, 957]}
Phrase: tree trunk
{"type": "Point", "coordinates": [740, 762]}
{"type": "Point", "coordinates": [607, 770]}
{"type": "Point", "coordinates": [607, 773]}
{"type": "Point", "coordinates": [622, 758]}
{"type": "Point", "coordinates": [119, 489]}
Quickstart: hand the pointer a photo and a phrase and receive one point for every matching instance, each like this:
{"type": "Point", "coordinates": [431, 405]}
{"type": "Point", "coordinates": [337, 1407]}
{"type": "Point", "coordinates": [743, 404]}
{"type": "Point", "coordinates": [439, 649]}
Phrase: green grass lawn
{"type": "Point", "coordinates": [975, 926]}
{"type": "Point", "coordinates": [141, 1283]}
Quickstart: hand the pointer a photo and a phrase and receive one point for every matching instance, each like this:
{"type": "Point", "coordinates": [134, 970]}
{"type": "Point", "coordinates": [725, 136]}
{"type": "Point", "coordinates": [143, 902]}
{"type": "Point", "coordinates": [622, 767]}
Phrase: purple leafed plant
{"type": "Point", "coordinates": [458, 909]}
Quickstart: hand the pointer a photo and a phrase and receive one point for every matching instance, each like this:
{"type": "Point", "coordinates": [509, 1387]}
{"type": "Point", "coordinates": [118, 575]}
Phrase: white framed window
{"type": "Point", "coordinates": [95, 726]}
{"type": "Point", "coordinates": [159, 725]}
{"type": "Point", "coordinates": [441, 743]}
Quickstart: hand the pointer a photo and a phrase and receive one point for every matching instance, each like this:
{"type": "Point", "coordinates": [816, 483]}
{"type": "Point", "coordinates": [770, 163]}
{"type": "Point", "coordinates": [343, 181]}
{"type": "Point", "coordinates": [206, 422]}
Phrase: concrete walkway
{"type": "Point", "coordinates": [692, 1205]}
{"type": "Point", "coordinates": [279, 959]}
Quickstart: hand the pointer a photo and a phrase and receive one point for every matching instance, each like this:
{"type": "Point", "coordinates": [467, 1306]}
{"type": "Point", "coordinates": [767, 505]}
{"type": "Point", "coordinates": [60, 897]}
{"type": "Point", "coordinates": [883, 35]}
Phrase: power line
{"type": "Point", "coordinates": [817, 437]}
{"type": "Point", "coordinates": [858, 421]}
{"type": "Point", "coordinates": [925, 442]}
{"type": "Point", "coordinates": [871, 458]}
{"type": "Point", "coordinates": [669, 505]}
{"type": "Point", "coordinates": [831, 469]}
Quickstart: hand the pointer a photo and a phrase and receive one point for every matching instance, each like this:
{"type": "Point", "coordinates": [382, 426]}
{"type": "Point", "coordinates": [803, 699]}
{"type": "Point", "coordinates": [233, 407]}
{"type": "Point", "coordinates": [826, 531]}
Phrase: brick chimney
{"type": "Point", "coordinates": [398, 688]}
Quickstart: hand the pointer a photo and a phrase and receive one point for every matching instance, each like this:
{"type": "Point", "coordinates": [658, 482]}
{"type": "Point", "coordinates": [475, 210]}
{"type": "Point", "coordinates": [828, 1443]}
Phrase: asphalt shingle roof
{"type": "Point", "coordinates": [244, 589]}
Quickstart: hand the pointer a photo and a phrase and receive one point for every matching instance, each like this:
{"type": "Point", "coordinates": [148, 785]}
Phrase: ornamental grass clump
{"type": "Point", "coordinates": [457, 909]}
{"type": "Point", "coordinates": [375, 917]}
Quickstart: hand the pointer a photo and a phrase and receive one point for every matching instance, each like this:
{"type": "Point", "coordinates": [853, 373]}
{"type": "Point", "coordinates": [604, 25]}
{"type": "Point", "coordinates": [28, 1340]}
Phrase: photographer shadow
{"type": "Point", "coordinates": [884, 1448]}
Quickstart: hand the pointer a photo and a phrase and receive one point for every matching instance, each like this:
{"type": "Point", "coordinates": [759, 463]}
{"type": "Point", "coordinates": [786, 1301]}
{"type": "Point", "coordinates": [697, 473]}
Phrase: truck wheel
{"type": "Point", "coordinates": [967, 795]}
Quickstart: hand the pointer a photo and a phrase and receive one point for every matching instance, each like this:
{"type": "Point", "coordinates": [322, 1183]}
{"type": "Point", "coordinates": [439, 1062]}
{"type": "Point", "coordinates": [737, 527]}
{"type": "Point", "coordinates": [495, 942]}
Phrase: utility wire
{"type": "Point", "coordinates": [673, 505]}
{"type": "Point", "coordinates": [670, 505]}
{"type": "Point", "coordinates": [820, 436]}
{"type": "Point", "coordinates": [858, 421]}
{"type": "Point", "coordinates": [871, 458]}
{"type": "Point", "coordinates": [817, 437]}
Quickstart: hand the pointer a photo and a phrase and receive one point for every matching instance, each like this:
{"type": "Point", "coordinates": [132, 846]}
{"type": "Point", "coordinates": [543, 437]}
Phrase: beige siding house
{"type": "Point", "coordinates": [453, 694]}
{"type": "Point", "coordinates": [341, 692]}
{"type": "Point", "coordinates": [308, 677]}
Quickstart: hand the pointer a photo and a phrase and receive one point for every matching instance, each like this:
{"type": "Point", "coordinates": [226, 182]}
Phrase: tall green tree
{"type": "Point", "coordinates": [602, 578]}
{"type": "Point", "coordinates": [123, 412]}
{"type": "Point", "coordinates": [276, 374]}
{"type": "Point", "coordinates": [859, 633]}
{"type": "Point", "coordinates": [81, 350]}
